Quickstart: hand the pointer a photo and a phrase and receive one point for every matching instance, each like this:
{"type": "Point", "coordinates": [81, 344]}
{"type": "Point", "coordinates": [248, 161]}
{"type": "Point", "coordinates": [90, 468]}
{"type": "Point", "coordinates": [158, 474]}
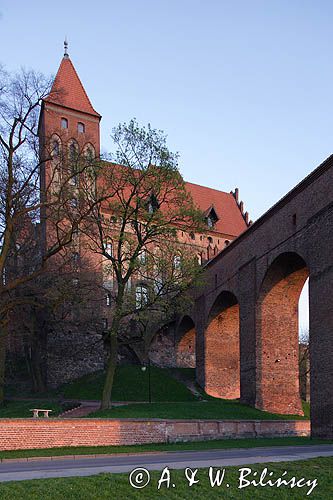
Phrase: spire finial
{"type": "Point", "coordinates": [66, 56]}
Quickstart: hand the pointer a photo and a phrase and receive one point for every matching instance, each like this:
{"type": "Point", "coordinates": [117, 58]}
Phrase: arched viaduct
{"type": "Point", "coordinates": [246, 315]}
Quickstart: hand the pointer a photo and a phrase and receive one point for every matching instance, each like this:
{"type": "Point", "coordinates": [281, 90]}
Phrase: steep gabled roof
{"type": "Point", "coordinates": [68, 91]}
{"type": "Point", "coordinates": [230, 219]}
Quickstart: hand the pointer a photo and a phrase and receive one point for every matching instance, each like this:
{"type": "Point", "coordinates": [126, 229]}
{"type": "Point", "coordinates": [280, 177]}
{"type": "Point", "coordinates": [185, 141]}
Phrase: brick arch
{"type": "Point", "coordinates": [222, 356]}
{"type": "Point", "coordinates": [277, 335]}
{"type": "Point", "coordinates": [185, 344]}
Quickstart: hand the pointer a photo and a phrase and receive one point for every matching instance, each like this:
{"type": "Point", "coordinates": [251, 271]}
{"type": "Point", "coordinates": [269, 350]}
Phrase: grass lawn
{"type": "Point", "coordinates": [106, 486]}
{"type": "Point", "coordinates": [194, 445]}
{"type": "Point", "coordinates": [20, 409]}
{"type": "Point", "coordinates": [130, 384]}
{"type": "Point", "coordinates": [212, 409]}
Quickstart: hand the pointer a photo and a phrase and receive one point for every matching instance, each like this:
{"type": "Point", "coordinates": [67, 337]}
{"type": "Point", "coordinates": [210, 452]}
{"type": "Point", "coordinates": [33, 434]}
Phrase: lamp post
{"type": "Point", "coordinates": [144, 368]}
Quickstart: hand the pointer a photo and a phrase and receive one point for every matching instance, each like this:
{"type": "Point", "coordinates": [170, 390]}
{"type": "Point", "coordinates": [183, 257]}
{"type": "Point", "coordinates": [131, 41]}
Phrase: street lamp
{"type": "Point", "coordinates": [144, 368]}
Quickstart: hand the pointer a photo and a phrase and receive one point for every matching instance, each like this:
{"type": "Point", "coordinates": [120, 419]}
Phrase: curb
{"type": "Point", "coordinates": [76, 457]}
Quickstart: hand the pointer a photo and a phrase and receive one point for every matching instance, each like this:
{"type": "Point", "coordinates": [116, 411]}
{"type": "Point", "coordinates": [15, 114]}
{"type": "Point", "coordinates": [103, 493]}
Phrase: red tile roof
{"type": "Point", "coordinates": [67, 90]}
{"type": "Point", "coordinates": [230, 219]}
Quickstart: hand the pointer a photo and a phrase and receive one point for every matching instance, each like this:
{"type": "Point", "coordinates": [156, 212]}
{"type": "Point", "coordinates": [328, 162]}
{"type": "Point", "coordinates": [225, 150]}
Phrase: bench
{"type": "Point", "coordinates": [37, 410]}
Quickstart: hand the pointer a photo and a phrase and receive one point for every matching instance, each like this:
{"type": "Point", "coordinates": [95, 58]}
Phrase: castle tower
{"type": "Point", "coordinates": [67, 120]}
{"type": "Point", "coordinates": [67, 110]}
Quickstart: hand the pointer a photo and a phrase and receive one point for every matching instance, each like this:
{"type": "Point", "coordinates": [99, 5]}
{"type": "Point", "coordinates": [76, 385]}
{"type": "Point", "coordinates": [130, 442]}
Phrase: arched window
{"type": "Point", "coordinates": [89, 152]}
{"type": "Point", "coordinates": [64, 123]}
{"type": "Point", "coordinates": [141, 296]}
{"type": "Point", "coordinates": [142, 257]}
{"type": "Point", "coordinates": [55, 151]}
{"type": "Point", "coordinates": [226, 243]}
{"type": "Point", "coordinates": [73, 151]}
{"type": "Point", "coordinates": [81, 128]}
{"type": "Point", "coordinates": [108, 248]}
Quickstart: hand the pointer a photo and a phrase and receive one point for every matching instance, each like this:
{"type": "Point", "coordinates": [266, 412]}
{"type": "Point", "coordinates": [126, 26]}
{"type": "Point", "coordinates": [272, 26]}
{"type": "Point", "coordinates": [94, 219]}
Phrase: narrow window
{"type": "Point", "coordinates": [104, 323]}
{"type": "Point", "coordinates": [81, 128]}
{"type": "Point", "coordinates": [108, 248]}
{"type": "Point", "coordinates": [177, 262]}
{"type": "Point", "coordinates": [210, 239]}
{"type": "Point", "coordinates": [64, 123]}
{"type": "Point", "coordinates": [108, 299]}
{"type": "Point", "coordinates": [55, 149]}
{"type": "Point", "coordinates": [142, 257]}
{"type": "Point", "coordinates": [72, 151]}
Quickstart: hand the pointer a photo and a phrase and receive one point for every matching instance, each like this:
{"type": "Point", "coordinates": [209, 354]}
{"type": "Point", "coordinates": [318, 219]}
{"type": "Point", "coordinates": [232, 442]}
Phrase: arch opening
{"type": "Point", "coordinates": [222, 355]}
{"type": "Point", "coordinates": [185, 347]}
{"type": "Point", "coordinates": [278, 388]}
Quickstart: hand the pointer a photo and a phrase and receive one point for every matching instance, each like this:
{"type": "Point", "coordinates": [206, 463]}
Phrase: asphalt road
{"type": "Point", "coordinates": [37, 469]}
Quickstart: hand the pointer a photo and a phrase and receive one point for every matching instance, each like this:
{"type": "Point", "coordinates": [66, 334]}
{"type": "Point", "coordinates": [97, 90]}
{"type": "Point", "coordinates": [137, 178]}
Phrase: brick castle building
{"type": "Point", "coordinates": [69, 120]}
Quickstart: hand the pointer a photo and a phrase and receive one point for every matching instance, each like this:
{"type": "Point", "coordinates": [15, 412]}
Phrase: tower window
{"type": "Point", "coordinates": [81, 128]}
{"type": "Point", "coordinates": [64, 123]}
{"type": "Point", "coordinates": [55, 149]}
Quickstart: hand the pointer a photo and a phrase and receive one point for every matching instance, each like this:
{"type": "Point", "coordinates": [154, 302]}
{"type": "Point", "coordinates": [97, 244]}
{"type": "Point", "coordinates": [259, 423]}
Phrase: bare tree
{"type": "Point", "coordinates": [24, 207]}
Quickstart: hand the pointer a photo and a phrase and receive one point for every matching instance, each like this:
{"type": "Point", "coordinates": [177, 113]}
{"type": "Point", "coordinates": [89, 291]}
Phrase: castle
{"type": "Point", "coordinates": [69, 120]}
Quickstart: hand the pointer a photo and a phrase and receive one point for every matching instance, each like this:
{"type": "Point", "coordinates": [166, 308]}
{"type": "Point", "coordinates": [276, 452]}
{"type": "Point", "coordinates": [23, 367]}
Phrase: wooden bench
{"type": "Point", "coordinates": [37, 410]}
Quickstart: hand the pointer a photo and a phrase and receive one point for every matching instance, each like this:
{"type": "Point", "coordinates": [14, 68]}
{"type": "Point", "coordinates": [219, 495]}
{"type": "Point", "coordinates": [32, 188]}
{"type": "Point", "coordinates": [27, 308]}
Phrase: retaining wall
{"type": "Point", "coordinates": [51, 433]}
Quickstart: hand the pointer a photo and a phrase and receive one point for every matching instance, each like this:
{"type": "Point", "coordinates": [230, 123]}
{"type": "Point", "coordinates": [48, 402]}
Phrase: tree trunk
{"type": "Point", "coordinates": [110, 371]}
{"type": "Point", "coordinates": [3, 340]}
{"type": "Point", "coordinates": [38, 382]}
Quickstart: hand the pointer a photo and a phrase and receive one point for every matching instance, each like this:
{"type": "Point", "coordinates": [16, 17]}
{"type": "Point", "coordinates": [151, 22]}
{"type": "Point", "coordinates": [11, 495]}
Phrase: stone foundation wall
{"type": "Point", "coordinates": [51, 433]}
{"type": "Point", "coordinates": [71, 355]}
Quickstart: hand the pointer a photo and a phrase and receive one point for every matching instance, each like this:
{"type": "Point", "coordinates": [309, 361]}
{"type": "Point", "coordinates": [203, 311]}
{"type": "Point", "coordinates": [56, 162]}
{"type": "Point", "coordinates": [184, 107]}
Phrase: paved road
{"type": "Point", "coordinates": [37, 469]}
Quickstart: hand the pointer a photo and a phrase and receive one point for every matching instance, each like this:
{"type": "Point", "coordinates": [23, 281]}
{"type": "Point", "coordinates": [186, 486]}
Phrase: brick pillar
{"type": "Point", "coordinates": [321, 353]}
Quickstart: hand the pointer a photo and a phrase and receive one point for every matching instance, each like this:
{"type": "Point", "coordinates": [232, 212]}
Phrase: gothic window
{"type": "Point", "coordinates": [81, 128]}
{"type": "Point", "coordinates": [64, 123]}
{"type": "Point", "coordinates": [89, 153]}
{"type": "Point", "coordinates": [73, 158]}
{"type": "Point", "coordinates": [55, 151]}
{"type": "Point", "coordinates": [141, 296]}
{"type": "Point", "coordinates": [72, 151]}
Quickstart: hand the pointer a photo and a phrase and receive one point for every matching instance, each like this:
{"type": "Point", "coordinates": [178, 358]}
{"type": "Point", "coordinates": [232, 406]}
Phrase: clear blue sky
{"type": "Point", "coordinates": [242, 88]}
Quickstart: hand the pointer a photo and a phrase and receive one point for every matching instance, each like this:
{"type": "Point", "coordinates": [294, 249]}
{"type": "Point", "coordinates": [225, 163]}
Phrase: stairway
{"type": "Point", "coordinates": [80, 411]}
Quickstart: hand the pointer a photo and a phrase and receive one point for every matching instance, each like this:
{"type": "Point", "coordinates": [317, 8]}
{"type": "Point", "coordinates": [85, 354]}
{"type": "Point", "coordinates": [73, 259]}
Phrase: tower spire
{"type": "Point", "coordinates": [66, 56]}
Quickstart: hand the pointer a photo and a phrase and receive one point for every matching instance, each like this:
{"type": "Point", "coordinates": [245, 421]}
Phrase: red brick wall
{"type": "Point", "coordinates": [51, 433]}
